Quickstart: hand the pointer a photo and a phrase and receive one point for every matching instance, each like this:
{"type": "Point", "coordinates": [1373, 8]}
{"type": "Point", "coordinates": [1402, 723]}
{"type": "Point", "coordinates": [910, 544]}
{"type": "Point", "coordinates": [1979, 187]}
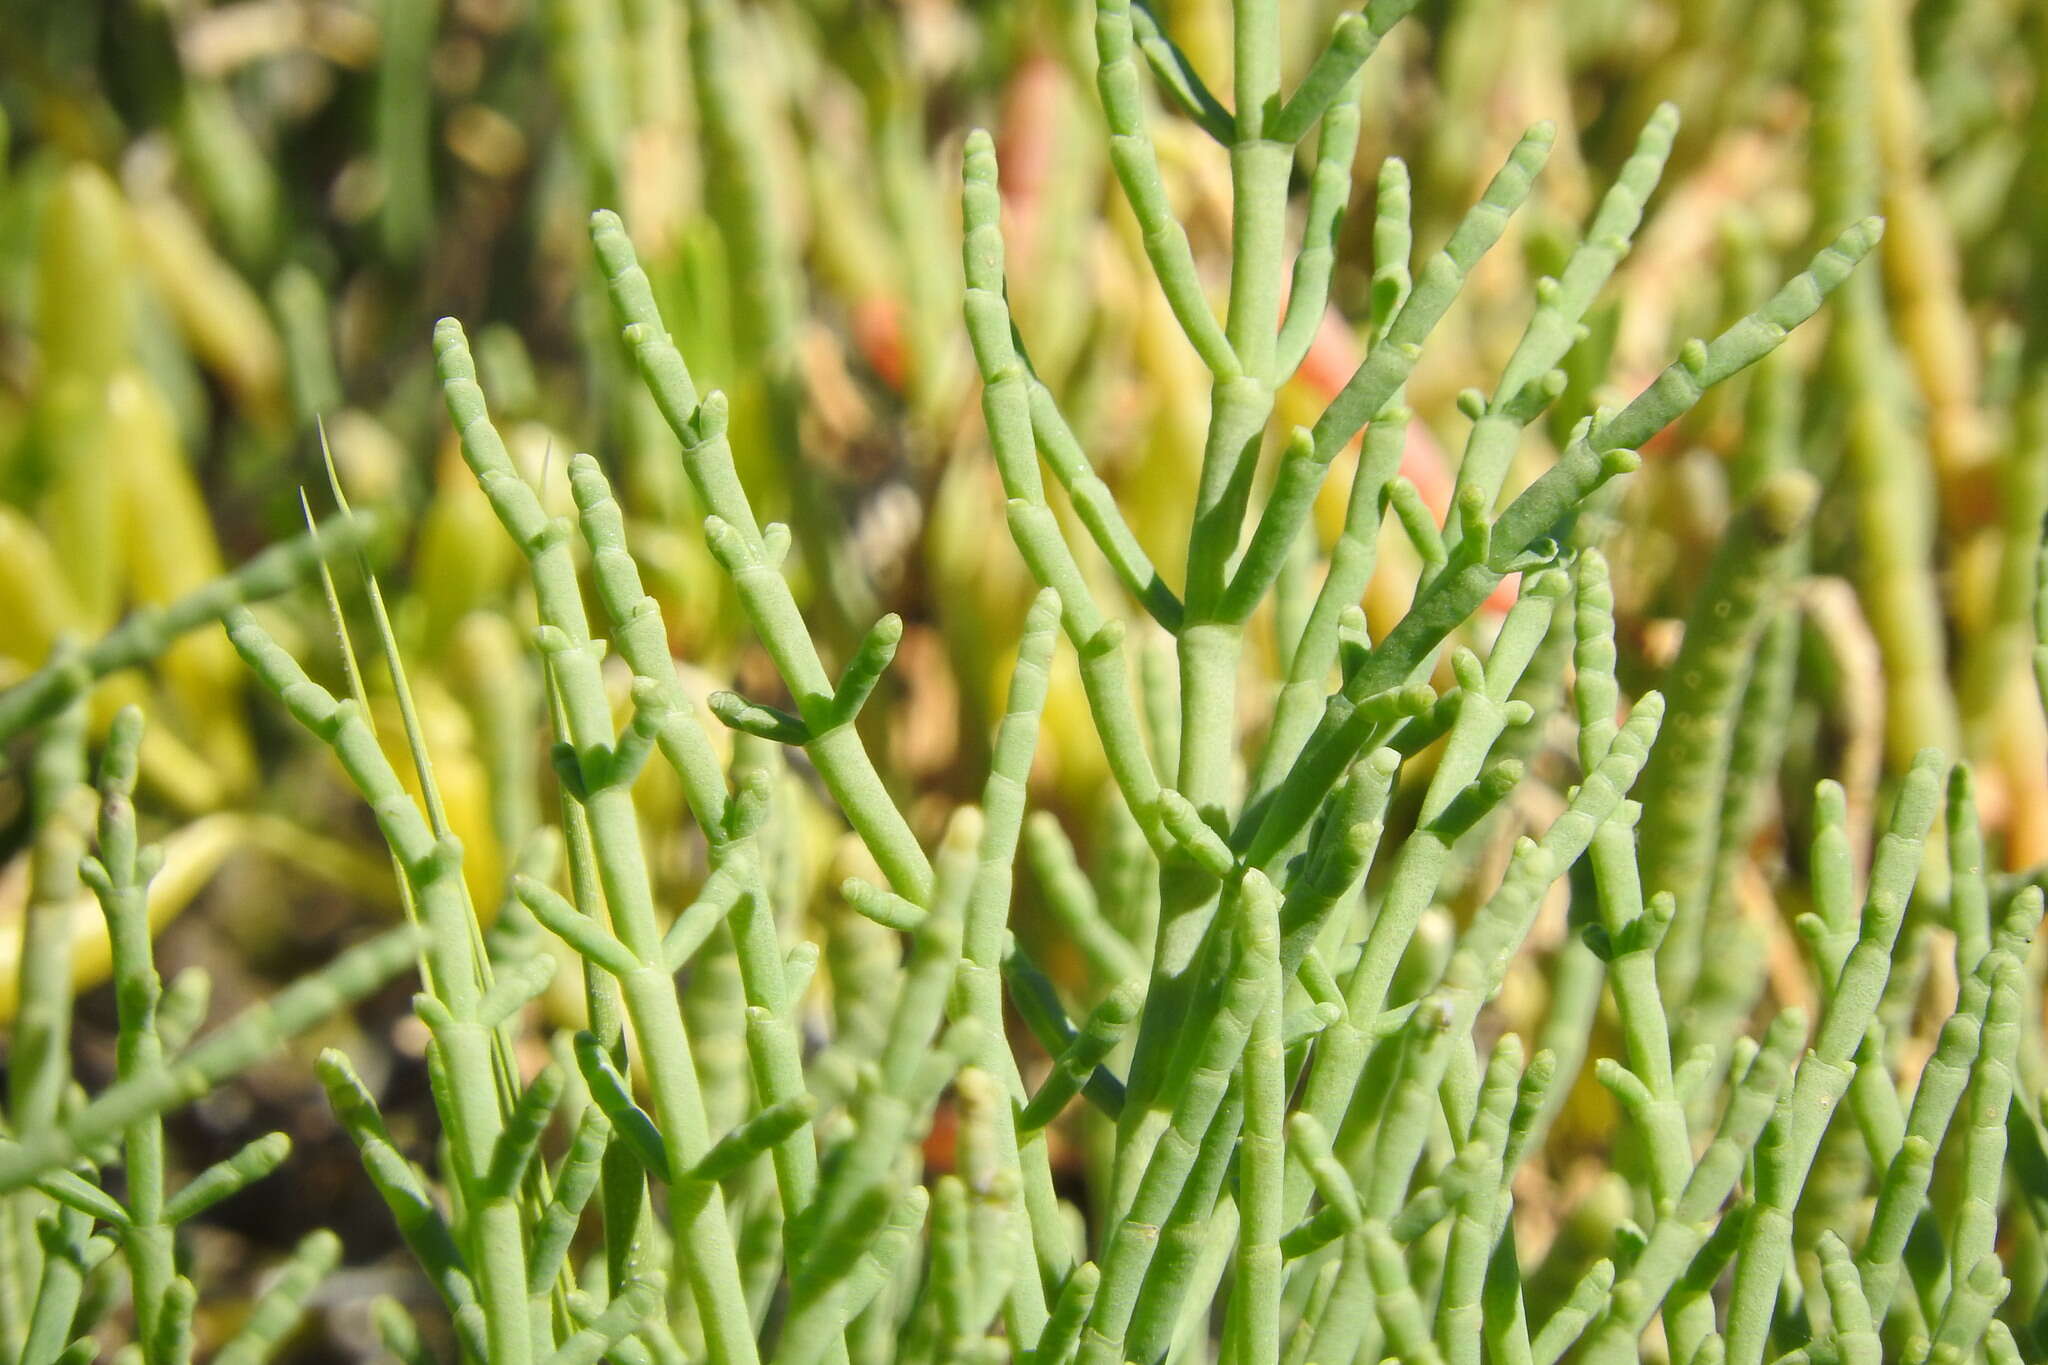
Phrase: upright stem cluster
{"type": "Point", "coordinates": [1295, 1086]}
{"type": "Point", "coordinates": [1223, 854]}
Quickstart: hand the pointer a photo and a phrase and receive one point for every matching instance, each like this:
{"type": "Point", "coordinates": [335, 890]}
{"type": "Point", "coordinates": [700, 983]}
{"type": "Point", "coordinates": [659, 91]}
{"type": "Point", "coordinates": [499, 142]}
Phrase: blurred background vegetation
{"type": "Point", "coordinates": [225, 225]}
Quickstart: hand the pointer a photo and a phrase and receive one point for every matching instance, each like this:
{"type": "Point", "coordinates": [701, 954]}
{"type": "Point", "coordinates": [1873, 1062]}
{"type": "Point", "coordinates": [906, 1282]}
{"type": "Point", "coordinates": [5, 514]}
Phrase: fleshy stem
{"type": "Point", "coordinates": [39, 1069]}
{"type": "Point", "coordinates": [1795, 1133]}
{"type": "Point", "coordinates": [1352, 558]}
{"type": "Point", "coordinates": [1035, 1245]}
{"type": "Point", "coordinates": [120, 875]}
{"type": "Point", "coordinates": [641, 638]}
{"type": "Point", "coordinates": [1628, 931]}
{"type": "Point", "coordinates": [1459, 795]}
{"type": "Point", "coordinates": [604, 766]}
{"type": "Point", "coordinates": [452, 1008]}
{"type": "Point", "coordinates": [832, 743]}
{"type": "Point", "coordinates": [1604, 449]}
{"type": "Point", "coordinates": [1531, 379]}
{"type": "Point", "coordinates": [1685, 1227]}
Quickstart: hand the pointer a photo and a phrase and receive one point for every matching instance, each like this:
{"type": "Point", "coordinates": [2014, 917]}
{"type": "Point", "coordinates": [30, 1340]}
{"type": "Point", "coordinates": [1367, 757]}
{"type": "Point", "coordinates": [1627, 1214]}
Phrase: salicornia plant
{"type": "Point", "coordinates": [1248, 1086]}
{"type": "Point", "coordinates": [66, 1231]}
{"type": "Point", "coordinates": [1304, 1104]}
